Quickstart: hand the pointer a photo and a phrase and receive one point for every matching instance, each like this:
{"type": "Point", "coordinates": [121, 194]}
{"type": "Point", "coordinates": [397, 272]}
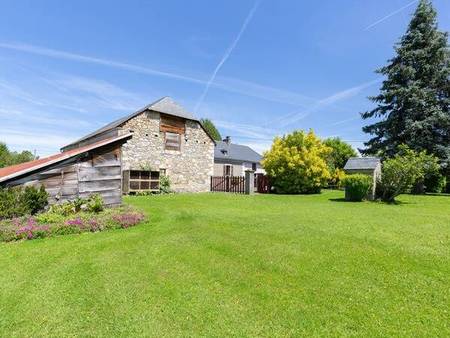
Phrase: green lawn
{"type": "Point", "coordinates": [230, 265]}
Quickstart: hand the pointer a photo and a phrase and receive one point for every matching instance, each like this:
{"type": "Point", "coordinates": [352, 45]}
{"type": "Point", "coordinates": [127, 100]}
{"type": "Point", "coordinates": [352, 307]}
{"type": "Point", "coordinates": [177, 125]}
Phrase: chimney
{"type": "Point", "coordinates": [227, 140]}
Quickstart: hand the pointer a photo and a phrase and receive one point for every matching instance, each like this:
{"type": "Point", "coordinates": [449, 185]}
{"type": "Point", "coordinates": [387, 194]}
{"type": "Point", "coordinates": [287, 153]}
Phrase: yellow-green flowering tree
{"type": "Point", "coordinates": [297, 163]}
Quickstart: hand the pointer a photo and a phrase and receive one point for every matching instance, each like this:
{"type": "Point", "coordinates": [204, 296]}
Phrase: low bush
{"type": "Point", "coordinates": [401, 172]}
{"type": "Point", "coordinates": [435, 183]}
{"type": "Point", "coordinates": [19, 201]}
{"type": "Point", "coordinates": [93, 203]}
{"type": "Point", "coordinates": [357, 186]}
{"type": "Point", "coordinates": [50, 224]}
{"type": "Point", "coordinates": [164, 185]}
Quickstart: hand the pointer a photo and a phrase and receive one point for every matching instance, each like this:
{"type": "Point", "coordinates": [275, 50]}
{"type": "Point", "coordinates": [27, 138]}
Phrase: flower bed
{"type": "Point", "coordinates": [51, 224]}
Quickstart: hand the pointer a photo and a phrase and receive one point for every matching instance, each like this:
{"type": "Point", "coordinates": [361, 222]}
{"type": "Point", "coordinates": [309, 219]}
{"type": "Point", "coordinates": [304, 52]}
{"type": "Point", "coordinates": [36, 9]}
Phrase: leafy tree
{"type": "Point", "coordinates": [297, 163]}
{"type": "Point", "coordinates": [211, 129]}
{"type": "Point", "coordinates": [402, 171]}
{"type": "Point", "coordinates": [430, 178]}
{"type": "Point", "coordinates": [8, 157]}
{"type": "Point", "coordinates": [413, 106]}
{"type": "Point", "coordinates": [339, 155]}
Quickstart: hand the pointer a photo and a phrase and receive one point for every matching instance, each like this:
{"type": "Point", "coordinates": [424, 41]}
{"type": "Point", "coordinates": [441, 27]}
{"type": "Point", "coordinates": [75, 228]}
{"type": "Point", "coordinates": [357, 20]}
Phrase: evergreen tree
{"type": "Point", "coordinates": [414, 100]}
{"type": "Point", "coordinates": [211, 129]}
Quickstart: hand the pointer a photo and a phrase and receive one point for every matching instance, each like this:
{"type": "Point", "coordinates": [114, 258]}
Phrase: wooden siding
{"type": "Point", "coordinates": [99, 172]}
{"type": "Point", "coordinates": [172, 124]}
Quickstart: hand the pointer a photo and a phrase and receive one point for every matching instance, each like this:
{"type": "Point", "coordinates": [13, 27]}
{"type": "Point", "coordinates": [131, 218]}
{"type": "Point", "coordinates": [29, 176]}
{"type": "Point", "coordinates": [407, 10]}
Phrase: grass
{"type": "Point", "coordinates": [228, 265]}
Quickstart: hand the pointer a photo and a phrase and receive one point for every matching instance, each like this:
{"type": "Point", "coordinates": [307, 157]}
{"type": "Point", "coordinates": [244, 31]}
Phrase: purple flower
{"type": "Point", "coordinates": [94, 225]}
{"type": "Point", "coordinates": [77, 222]}
{"type": "Point", "coordinates": [129, 219]}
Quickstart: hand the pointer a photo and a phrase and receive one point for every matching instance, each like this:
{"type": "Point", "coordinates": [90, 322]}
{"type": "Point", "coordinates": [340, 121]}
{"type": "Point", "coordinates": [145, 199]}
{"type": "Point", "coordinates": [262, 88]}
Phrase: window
{"type": "Point", "coordinates": [172, 141]}
{"type": "Point", "coordinates": [254, 166]}
{"type": "Point", "coordinates": [140, 180]}
{"type": "Point", "coordinates": [227, 170]}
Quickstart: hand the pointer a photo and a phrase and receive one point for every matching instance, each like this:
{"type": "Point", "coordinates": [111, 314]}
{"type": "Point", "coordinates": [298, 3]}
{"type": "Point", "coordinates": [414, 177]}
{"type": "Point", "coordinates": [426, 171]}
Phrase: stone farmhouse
{"type": "Point", "coordinates": [128, 155]}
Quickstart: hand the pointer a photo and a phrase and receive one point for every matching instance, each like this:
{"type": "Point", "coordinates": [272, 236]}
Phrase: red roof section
{"type": "Point", "coordinates": [22, 168]}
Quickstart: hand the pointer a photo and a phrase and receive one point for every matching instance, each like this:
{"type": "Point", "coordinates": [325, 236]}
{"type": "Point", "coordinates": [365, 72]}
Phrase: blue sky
{"type": "Point", "coordinates": [257, 69]}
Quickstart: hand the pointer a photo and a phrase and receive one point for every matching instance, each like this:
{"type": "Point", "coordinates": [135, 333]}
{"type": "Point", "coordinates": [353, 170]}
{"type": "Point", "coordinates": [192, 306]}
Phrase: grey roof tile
{"type": "Point", "coordinates": [165, 105]}
{"type": "Point", "coordinates": [235, 152]}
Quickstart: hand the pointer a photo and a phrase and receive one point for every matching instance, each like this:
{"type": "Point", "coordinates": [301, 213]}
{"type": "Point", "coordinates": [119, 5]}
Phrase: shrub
{"type": "Point", "coordinates": [50, 224]}
{"type": "Point", "coordinates": [435, 183]}
{"type": "Point", "coordinates": [296, 163]}
{"type": "Point", "coordinates": [19, 201]}
{"type": "Point", "coordinates": [337, 177]}
{"type": "Point", "coordinates": [11, 204]}
{"type": "Point", "coordinates": [35, 199]}
{"type": "Point", "coordinates": [93, 203]}
{"type": "Point", "coordinates": [357, 186]}
{"type": "Point", "coordinates": [400, 173]}
{"type": "Point", "coordinates": [164, 185]}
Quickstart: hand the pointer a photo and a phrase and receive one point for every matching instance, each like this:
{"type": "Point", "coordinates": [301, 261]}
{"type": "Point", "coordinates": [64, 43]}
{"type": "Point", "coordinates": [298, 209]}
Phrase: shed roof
{"type": "Point", "coordinates": [31, 166]}
{"type": "Point", "coordinates": [235, 152]}
{"type": "Point", "coordinates": [355, 163]}
{"type": "Point", "coordinates": [165, 105]}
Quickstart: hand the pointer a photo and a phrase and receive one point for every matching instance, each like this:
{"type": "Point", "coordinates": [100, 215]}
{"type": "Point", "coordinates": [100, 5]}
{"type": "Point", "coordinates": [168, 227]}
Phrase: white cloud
{"type": "Point", "coordinates": [44, 141]}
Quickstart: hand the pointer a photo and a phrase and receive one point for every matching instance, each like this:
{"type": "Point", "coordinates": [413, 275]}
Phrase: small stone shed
{"type": "Point", "coordinates": [370, 166]}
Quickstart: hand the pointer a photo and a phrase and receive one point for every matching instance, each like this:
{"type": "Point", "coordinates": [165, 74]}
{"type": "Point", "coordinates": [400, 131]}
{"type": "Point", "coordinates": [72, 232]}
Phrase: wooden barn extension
{"type": "Point", "coordinates": [96, 168]}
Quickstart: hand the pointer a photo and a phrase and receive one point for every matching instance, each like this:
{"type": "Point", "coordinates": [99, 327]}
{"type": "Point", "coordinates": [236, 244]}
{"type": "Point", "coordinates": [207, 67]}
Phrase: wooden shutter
{"type": "Point", "coordinates": [172, 124]}
{"type": "Point", "coordinates": [172, 141]}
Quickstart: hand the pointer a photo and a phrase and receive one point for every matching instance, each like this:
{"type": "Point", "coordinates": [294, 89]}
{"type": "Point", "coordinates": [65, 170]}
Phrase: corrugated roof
{"type": "Point", "coordinates": [362, 163]}
{"type": "Point", "coordinates": [165, 105]}
{"type": "Point", "coordinates": [235, 152]}
{"type": "Point", "coordinates": [24, 168]}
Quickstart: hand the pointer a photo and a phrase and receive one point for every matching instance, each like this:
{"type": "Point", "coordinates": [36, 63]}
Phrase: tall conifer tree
{"type": "Point", "coordinates": [414, 100]}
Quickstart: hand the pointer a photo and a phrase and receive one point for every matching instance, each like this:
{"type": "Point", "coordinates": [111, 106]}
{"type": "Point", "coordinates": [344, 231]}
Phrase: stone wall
{"type": "Point", "coordinates": [189, 170]}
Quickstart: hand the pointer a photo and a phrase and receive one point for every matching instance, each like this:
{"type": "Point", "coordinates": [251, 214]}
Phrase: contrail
{"type": "Point", "coordinates": [390, 15]}
{"type": "Point", "coordinates": [231, 85]}
{"type": "Point", "coordinates": [89, 59]}
{"type": "Point", "coordinates": [226, 55]}
{"type": "Point", "coordinates": [297, 115]}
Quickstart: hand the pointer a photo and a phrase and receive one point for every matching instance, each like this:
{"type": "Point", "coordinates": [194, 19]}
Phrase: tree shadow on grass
{"type": "Point", "coordinates": [338, 200]}
{"type": "Point", "coordinates": [376, 201]}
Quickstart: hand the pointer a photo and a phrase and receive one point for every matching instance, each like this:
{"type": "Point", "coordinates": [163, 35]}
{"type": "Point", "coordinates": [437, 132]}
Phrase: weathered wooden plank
{"type": "Point", "coordinates": [66, 169]}
{"type": "Point", "coordinates": [99, 178]}
{"type": "Point", "coordinates": [69, 190]}
{"type": "Point", "coordinates": [99, 185]}
{"type": "Point", "coordinates": [102, 170]}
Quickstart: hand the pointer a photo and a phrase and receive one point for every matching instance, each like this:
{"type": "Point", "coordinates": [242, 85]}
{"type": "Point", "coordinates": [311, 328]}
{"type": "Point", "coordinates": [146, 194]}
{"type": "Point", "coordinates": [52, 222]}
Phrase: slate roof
{"type": "Point", "coordinates": [355, 163]}
{"type": "Point", "coordinates": [28, 167]}
{"type": "Point", "coordinates": [235, 152]}
{"type": "Point", "coordinates": [165, 105]}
